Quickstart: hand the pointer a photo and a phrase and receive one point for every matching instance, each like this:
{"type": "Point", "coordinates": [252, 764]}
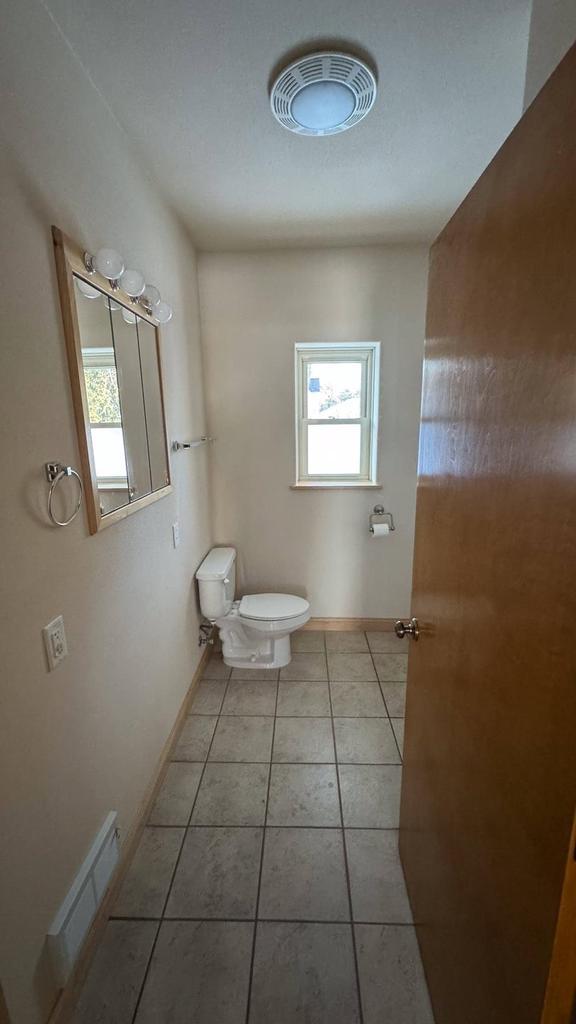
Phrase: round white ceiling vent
{"type": "Point", "coordinates": [323, 93]}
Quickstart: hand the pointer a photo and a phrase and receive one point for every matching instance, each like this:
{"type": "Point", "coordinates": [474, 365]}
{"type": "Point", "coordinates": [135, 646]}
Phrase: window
{"type": "Point", "coordinates": [337, 413]}
{"type": "Point", "coordinates": [105, 416]}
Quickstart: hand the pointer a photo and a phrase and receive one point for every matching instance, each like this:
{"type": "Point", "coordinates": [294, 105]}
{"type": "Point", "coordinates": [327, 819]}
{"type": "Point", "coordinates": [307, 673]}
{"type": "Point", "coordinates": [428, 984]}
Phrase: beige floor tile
{"type": "Point", "coordinates": [175, 799]}
{"type": "Point", "coordinates": [217, 874]}
{"type": "Point", "coordinates": [216, 669]}
{"type": "Point", "coordinates": [303, 740]}
{"type": "Point", "coordinates": [365, 741]}
{"type": "Point", "coordinates": [208, 697]}
{"type": "Point", "coordinates": [370, 795]}
{"type": "Point", "coordinates": [345, 641]}
{"type": "Point", "coordinates": [111, 990]}
{"type": "Point", "coordinates": [304, 875]}
{"type": "Point", "coordinates": [200, 972]}
{"type": "Point", "coordinates": [304, 794]}
{"type": "Point", "coordinates": [146, 885]}
{"type": "Point", "coordinates": [395, 697]}
{"type": "Point", "coordinates": [391, 667]}
{"type": "Point", "coordinates": [310, 667]}
{"type": "Point", "coordinates": [307, 641]}
{"type": "Point", "coordinates": [250, 697]}
{"type": "Point", "coordinates": [357, 699]}
{"type": "Point", "coordinates": [256, 674]}
{"type": "Point", "coordinates": [387, 643]}
{"type": "Point", "coordinates": [350, 667]}
{"type": "Point", "coordinates": [297, 699]}
{"type": "Point", "coordinates": [232, 794]}
{"type": "Point", "coordinates": [195, 738]}
{"type": "Point", "coordinates": [376, 877]}
{"type": "Point", "coordinates": [242, 739]}
{"type": "Point", "coordinates": [392, 981]}
{"type": "Point", "coordinates": [398, 726]}
{"type": "Point", "coordinates": [304, 974]}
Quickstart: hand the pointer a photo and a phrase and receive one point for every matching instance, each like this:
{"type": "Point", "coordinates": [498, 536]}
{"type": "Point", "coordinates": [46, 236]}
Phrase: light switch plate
{"type": "Point", "coordinates": [175, 534]}
{"type": "Point", "coordinates": [55, 642]}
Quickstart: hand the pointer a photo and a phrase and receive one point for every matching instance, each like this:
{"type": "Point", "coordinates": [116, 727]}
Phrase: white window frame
{"type": "Point", "coordinates": [366, 352]}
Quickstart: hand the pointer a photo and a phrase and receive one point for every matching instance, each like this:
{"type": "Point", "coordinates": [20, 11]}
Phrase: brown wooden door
{"type": "Point", "coordinates": [490, 758]}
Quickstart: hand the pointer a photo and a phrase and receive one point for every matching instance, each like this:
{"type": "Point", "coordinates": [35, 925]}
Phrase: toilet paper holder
{"type": "Point", "coordinates": [380, 515]}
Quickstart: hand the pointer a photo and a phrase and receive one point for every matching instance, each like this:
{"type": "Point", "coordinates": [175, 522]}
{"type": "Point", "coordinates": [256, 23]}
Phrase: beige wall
{"type": "Point", "coordinates": [253, 308]}
{"type": "Point", "coordinates": [85, 739]}
{"type": "Point", "coordinates": [552, 33]}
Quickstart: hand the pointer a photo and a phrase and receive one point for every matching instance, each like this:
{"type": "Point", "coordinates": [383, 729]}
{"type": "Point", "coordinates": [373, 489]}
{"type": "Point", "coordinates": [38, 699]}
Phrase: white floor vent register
{"type": "Point", "coordinates": [70, 926]}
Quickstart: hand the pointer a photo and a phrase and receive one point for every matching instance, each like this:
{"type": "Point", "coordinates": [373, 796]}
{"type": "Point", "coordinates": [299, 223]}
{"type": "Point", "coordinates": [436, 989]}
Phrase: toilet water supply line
{"type": "Point", "coordinates": [206, 634]}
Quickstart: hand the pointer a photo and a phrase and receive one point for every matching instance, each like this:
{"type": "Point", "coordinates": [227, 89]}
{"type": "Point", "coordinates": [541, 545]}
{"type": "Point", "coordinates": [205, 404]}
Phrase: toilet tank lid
{"type": "Point", "coordinates": [217, 564]}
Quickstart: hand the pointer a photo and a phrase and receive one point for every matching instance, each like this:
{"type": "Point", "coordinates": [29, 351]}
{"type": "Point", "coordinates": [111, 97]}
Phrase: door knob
{"type": "Point", "coordinates": [411, 629]}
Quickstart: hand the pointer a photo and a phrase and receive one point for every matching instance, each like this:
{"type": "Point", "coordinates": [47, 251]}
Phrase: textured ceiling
{"type": "Point", "coordinates": [188, 81]}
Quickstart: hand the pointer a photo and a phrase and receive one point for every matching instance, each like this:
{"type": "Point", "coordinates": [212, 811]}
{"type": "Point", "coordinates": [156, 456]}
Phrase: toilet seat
{"type": "Point", "coordinates": [272, 607]}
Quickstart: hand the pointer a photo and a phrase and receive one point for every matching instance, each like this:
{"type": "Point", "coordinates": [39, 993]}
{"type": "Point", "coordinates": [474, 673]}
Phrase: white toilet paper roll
{"type": "Point", "coordinates": [380, 529]}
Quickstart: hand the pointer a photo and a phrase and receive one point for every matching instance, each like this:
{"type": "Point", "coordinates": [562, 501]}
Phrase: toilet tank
{"type": "Point", "coordinates": [216, 582]}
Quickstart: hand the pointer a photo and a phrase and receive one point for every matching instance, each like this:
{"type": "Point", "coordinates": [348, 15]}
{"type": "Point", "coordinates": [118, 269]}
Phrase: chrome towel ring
{"type": "Point", "coordinates": [55, 472]}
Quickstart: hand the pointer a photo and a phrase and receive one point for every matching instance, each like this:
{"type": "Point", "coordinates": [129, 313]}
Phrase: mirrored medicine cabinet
{"type": "Point", "coordinates": [113, 349]}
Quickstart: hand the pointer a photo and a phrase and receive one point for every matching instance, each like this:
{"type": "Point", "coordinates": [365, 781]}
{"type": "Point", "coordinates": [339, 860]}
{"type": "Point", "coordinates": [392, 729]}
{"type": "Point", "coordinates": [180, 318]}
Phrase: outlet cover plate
{"type": "Point", "coordinates": [55, 642]}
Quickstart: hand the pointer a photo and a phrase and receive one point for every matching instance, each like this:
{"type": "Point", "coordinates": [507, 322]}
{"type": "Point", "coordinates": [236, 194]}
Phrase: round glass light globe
{"type": "Point", "coordinates": [323, 105]}
{"type": "Point", "coordinates": [109, 263]}
{"type": "Point", "coordinates": [151, 295]}
{"type": "Point", "coordinates": [111, 305]}
{"type": "Point", "coordinates": [133, 283]}
{"type": "Point", "coordinates": [87, 290]}
{"type": "Point", "coordinates": [163, 312]}
{"type": "Point", "coordinates": [128, 317]}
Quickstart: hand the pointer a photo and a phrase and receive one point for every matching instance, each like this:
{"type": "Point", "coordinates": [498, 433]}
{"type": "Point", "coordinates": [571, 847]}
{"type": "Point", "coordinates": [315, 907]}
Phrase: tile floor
{"type": "Point", "coordinates": [267, 888]}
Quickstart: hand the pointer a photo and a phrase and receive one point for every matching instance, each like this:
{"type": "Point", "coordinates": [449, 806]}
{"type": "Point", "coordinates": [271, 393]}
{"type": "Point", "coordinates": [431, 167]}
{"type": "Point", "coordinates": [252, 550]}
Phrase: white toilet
{"type": "Point", "coordinates": [255, 631]}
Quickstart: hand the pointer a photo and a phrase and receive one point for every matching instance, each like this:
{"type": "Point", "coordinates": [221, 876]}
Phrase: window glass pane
{"type": "Point", "coordinates": [102, 394]}
{"type": "Point", "coordinates": [334, 449]}
{"type": "Point", "coordinates": [108, 445]}
{"type": "Point", "coordinates": [334, 390]}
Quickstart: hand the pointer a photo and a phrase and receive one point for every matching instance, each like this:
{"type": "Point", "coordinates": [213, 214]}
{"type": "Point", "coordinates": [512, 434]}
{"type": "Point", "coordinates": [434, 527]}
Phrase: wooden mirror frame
{"type": "Point", "coordinates": [70, 264]}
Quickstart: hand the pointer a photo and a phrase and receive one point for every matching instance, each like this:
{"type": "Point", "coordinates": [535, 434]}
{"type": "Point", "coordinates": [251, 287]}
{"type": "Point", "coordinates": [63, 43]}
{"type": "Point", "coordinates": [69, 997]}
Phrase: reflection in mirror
{"type": "Point", "coordinates": [133, 412]}
{"type": "Point", "coordinates": [149, 361]}
{"type": "Point", "coordinates": [103, 395]}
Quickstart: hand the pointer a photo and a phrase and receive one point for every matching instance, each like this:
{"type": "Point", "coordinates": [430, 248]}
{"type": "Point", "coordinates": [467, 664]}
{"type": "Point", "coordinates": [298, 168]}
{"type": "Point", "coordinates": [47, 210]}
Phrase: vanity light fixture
{"type": "Point", "coordinates": [133, 283]}
{"type": "Point", "coordinates": [110, 264]}
{"type": "Point", "coordinates": [323, 93]}
{"type": "Point", "coordinates": [87, 290]}
{"type": "Point", "coordinates": [162, 312]}
{"type": "Point", "coordinates": [107, 262]}
{"type": "Point", "coordinates": [151, 296]}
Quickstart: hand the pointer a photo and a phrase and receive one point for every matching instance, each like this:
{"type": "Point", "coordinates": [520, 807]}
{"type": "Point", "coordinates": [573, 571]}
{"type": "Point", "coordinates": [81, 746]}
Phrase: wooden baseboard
{"type": "Point", "coordinates": [363, 625]}
{"type": "Point", "coordinates": [69, 995]}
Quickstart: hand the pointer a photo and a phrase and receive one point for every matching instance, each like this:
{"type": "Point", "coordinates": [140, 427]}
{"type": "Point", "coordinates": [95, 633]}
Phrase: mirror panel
{"type": "Point", "coordinates": [154, 407]}
{"type": "Point", "coordinates": [133, 412]}
{"type": "Point", "coordinates": [103, 398]}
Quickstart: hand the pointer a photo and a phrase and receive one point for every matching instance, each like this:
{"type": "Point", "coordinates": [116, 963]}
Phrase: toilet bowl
{"type": "Point", "coordinates": [255, 631]}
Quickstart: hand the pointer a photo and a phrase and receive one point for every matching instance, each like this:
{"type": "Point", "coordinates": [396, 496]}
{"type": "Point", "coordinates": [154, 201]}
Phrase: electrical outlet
{"type": "Point", "coordinates": [55, 642]}
{"type": "Point", "coordinates": [176, 534]}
